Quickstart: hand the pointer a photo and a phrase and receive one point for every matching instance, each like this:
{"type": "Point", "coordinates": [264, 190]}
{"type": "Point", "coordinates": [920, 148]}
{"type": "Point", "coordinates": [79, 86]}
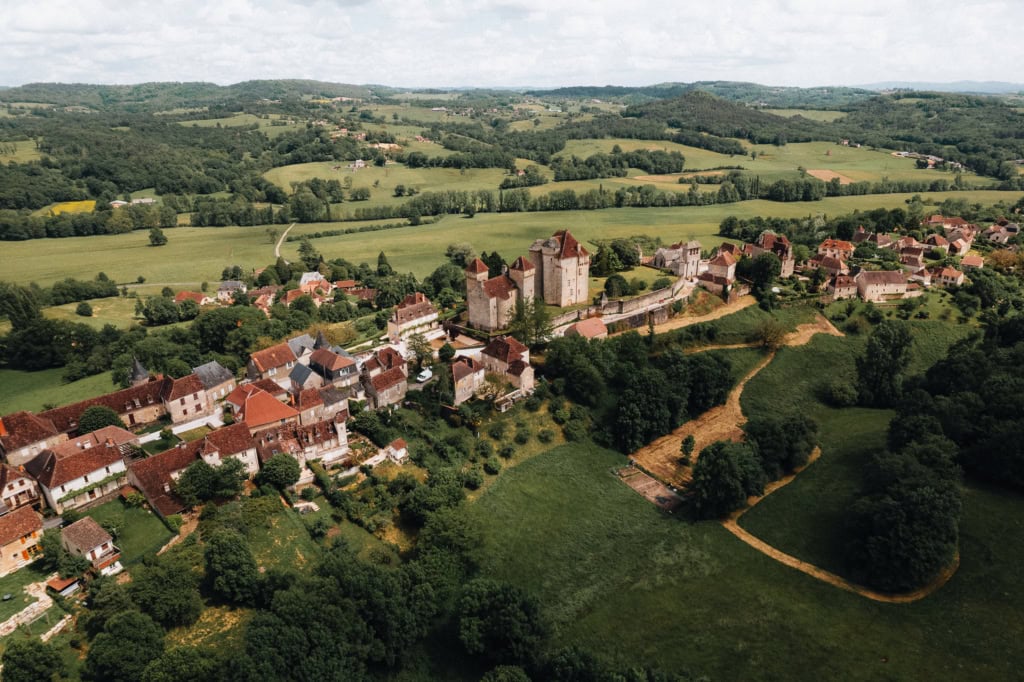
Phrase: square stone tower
{"type": "Point", "coordinates": [563, 269]}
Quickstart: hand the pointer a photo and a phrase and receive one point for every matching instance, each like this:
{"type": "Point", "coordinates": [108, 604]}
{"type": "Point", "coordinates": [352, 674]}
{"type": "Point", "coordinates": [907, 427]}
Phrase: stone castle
{"type": "Point", "coordinates": [558, 272]}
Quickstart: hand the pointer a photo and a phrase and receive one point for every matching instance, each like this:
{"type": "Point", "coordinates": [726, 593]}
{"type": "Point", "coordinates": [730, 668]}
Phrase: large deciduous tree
{"type": "Point", "coordinates": [96, 417]}
{"type": "Point", "coordinates": [880, 369]}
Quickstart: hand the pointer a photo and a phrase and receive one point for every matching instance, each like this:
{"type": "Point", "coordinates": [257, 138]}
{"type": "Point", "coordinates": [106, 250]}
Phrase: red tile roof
{"type": "Point", "coordinates": [259, 408]}
{"type": "Point", "coordinates": [972, 261]}
{"type": "Point", "coordinates": [464, 367]}
{"type": "Point", "coordinates": [590, 328]}
{"type": "Point", "coordinates": [521, 264]}
{"type": "Point", "coordinates": [190, 296]}
{"type": "Point", "coordinates": [881, 277]}
{"type": "Point", "coordinates": [570, 247]}
{"type": "Point", "coordinates": [18, 524]}
{"type": "Point", "coordinates": [19, 429]}
{"type": "Point", "coordinates": [517, 368]}
{"type": "Point", "coordinates": [414, 307]}
{"type": "Point", "coordinates": [85, 534]}
{"type": "Point", "coordinates": [837, 244]}
{"type": "Point", "coordinates": [345, 283]}
{"type": "Point", "coordinates": [292, 438]}
{"type": "Point", "coordinates": [499, 287]}
{"type": "Point", "coordinates": [270, 386]}
{"type": "Point", "coordinates": [388, 379]}
{"type": "Point", "coordinates": [330, 360]}
{"type": "Point", "coordinates": [398, 444]}
{"type": "Point", "coordinates": [53, 470]}
{"type": "Point", "coordinates": [66, 418]}
{"type": "Point", "coordinates": [505, 348]}
{"type": "Point", "coordinates": [179, 388]}
{"type": "Point", "coordinates": [309, 398]}
{"type": "Point", "coordinates": [476, 267]}
{"type": "Point", "coordinates": [724, 259]}
{"type": "Point", "coordinates": [275, 356]}
{"type": "Point", "coordinates": [389, 358]}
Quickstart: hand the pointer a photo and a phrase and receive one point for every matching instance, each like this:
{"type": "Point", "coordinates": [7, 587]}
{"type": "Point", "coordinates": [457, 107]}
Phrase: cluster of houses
{"type": "Point", "coordinates": [312, 284]}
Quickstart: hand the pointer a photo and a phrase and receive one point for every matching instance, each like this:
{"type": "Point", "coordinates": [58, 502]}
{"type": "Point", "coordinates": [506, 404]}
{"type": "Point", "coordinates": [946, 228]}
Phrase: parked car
{"type": "Point", "coordinates": [425, 375]}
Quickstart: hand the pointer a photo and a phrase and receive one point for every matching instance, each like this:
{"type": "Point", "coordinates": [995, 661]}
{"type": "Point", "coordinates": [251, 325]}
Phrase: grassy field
{"type": "Point", "coordinates": [623, 580]}
{"type": "Point", "coordinates": [239, 120]}
{"type": "Point", "coordinates": [14, 584]}
{"type": "Point", "coordinates": [33, 390]}
{"type": "Point", "coordinates": [24, 151]}
{"type": "Point", "coordinates": [194, 255]}
{"type": "Point", "coordinates": [139, 531]}
{"type": "Point", "coordinates": [810, 114]}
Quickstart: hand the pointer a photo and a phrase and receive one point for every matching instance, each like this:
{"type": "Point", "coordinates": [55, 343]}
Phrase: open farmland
{"type": "Point", "coordinates": [810, 114]}
{"type": "Point", "coordinates": [645, 588]}
{"type": "Point", "coordinates": [195, 255]}
{"type": "Point", "coordinates": [272, 126]}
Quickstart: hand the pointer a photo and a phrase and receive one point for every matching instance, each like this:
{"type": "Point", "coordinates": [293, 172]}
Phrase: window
{"type": "Point", "coordinates": [108, 470]}
{"type": "Point", "coordinates": [195, 396]}
{"type": "Point", "coordinates": [184, 410]}
{"type": "Point", "coordinates": [10, 486]}
{"type": "Point", "coordinates": [182, 401]}
{"type": "Point", "coordinates": [86, 478]}
{"type": "Point", "coordinates": [62, 488]}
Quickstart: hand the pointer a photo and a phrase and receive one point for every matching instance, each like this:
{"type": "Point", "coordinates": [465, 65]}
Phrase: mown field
{"type": "Point", "coordinates": [33, 390]}
{"type": "Point", "coordinates": [238, 120]}
{"type": "Point", "coordinates": [810, 114]}
{"type": "Point", "coordinates": [195, 255]}
{"type": "Point", "coordinates": [23, 152]}
{"type": "Point", "coordinates": [623, 580]}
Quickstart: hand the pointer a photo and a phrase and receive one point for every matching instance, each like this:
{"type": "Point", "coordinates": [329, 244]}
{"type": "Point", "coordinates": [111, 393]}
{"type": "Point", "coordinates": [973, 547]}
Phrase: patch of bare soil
{"type": "Point", "coordinates": [650, 488]}
{"type": "Point", "coordinates": [827, 175]}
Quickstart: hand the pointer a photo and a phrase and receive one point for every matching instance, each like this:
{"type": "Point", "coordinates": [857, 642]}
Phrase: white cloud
{"type": "Point", "coordinates": [422, 43]}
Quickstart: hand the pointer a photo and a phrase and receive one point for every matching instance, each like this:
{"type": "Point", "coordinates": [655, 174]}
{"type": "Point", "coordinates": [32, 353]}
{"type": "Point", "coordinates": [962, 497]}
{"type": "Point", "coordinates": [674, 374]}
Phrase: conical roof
{"type": "Point", "coordinates": [139, 373]}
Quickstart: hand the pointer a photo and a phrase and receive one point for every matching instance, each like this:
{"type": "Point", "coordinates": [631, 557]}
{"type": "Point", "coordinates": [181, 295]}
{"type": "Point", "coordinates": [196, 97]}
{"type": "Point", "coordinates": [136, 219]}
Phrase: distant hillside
{"type": "Point", "coordinates": [965, 87]}
{"type": "Point", "coordinates": [705, 113]}
{"type": "Point", "coordinates": [748, 93]}
{"type": "Point", "coordinates": [167, 95]}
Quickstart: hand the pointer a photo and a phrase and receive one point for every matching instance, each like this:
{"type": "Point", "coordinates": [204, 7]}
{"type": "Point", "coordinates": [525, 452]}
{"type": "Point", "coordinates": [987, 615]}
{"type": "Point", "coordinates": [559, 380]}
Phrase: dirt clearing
{"type": "Point", "coordinates": [827, 175]}
{"type": "Point", "coordinates": [652, 489]}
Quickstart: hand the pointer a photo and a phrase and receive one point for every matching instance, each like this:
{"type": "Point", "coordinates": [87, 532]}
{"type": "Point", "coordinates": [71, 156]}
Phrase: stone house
{"type": "Point", "coordinates": [334, 368]}
{"type": "Point", "coordinates": [217, 381]}
{"type": "Point", "coordinates": [683, 259]}
{"type": "Point", "coordinates": [227, 290]}
{"type": "Point", "coordinates": [85, 470]}
{"type": "Point", "coordinates": [386, 388]}
{"type": "Point", "coordinates": [20, 531]}
{"type": "Point", "coordinates": [155, 476]}
{"type": "Point", "coordinates": [506, 356]}
{"type": "Point", "coordinates": [836, 248]}
{"type": "Point", "coordinates": [259, 409]}
{"type": "Point", "coordinates": [17, 489]}
{"type": "Point", "coordinates": [881, 285]}
{"type": "Point", "coordinates": [325, 441]}
{"type": "Point", "coordinates": [947, 277]}
{"type": "Point", "coordinates": [138, 405]}
{"type": "Point", "coordinates": [769, 242]}
{"type": "Point", "coordinates": [842, 286]}
{"type": "Point", "coordinates": [491, 301]}
{"type": "Point", "coordinates": [24, 435]}
{"type": "Point", "coordinates": [414, 315]}
{"type": "Point", "coordinates": [468, 376]}
{"type": "Point", "coordinates": [185, 399]}
{"type": "Point", "coordinates": [87, 538]}
{"type": "Point", "coordinates": [274, 363]}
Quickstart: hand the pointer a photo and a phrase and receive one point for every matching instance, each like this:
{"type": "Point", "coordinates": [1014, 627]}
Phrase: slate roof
{"type": "Point", "coordinates": [333, 395]}
{"type": "Point", "coordinates": [19, 429]}
{"type": "Point", "coordinates": [300, 342]}
{"type": "Point", "coordinates": [299, 374]}
{"type": "Point", "coordinates": [276, 356]}
{"type": "Point", "coordinates": [505, 348]}
{"type": "Point", "coordinates": [19, 523]}
{"type": "Point", "coordinates": [212, 374]}
{"type": "Point", "coordinates": [85, 533]}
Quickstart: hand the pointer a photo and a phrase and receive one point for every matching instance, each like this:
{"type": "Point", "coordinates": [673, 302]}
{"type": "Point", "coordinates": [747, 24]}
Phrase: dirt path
{"type": "Point", "coordinates": [724, 422]}
{"type": "Point", "coordinates": [277, 247]}
{"type": "Point", "coordinates": [731, 524]}
{"type": "Point", "coordinates": [685, 320]}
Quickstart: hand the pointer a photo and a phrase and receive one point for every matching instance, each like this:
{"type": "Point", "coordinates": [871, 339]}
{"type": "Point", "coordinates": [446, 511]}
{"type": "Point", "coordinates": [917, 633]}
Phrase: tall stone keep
{"type": "Point", "coordinates": [563, 269]}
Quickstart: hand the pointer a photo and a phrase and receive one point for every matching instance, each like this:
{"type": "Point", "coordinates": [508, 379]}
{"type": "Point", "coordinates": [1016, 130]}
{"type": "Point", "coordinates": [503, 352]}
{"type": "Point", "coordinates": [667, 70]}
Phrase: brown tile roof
{"type": "Point", "coordinates": [517, 368]}
{"type": "Point", "coordinates": [18, 524]}
{"type": "Point", "coordinates": [85, 533]}
{"type": "Point", "coordinates": [398, 444]}
{"type": "Point", "coordinates": [972, 261]}
{"type": "Point", "coordinates": [364, 294]}
{"type": "Point", "coordinates": [870, 277]}
{"type": "Point", "coordinates": [836, 244]}
{"type": "Point", "coordinates": [570, 247]}
{"type": "Point", "coordinates": [590, 328]}
{"type": "Point", "coordinates": [19, 429]}
{"type": "Point", "coordinates": [179, 388]}
{"type": "Point", "coordinates": [936, 240]}
{"type": "Point", "coordinates": [270, 386]}
{"type": "Point", "coordinates": [71, 460]}
{"type": "Point", "coordinates": [330, 360]}
{"type": "Point", "coordinates": [389, 358]}
{"type": "Point", "coordinates": [717, 279]}
{"type": "Point", "coordinates": [724, 258]}
{"type": "Point", "coordinates": [843, 281]}
{"type": "Point", "coordinates": [505, 348]}
{"type": "Point", "coordinates": [728, 247]}
{"type": "Point", "coordinates": [950, 273]}
{"type": "Point", "coordinates": [521, 264]}
{"type": "Point", "coordinates": [292, 438]}
{"type": "Point", "coordinates": [499, 287]}
{"type": "Point", "coordinates": [414, 307]}
{"type": "Point", "coordinates": [66, 418]}
{"type": "Point", "coordinates": [463, 367]}
{"type": "Point", "coordinates": [275, 356]}
{"type": "Point", "coordinates": [9, 474]}
{"type": "Point", "coordinates": [345, 284]}
{"type": "Point", "coordinates": [388, 379]}
{"type": "Point", "coordinates": [308, 398]}
{"type": "Point", "coordinates": [476, 267]}
{"type": "Point", "coordinates": [190, 296]}
{"type": "Point", "coordinates": [259, 408]}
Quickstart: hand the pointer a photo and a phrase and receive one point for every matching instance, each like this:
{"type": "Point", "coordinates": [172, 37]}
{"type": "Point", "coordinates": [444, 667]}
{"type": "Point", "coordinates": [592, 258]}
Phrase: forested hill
{"type": "Point", "coordinates": [748, 93]}
{"type": "Point", "coordinates": [703, 112]}
{"type": "Point", "coordinates": [166, 95]}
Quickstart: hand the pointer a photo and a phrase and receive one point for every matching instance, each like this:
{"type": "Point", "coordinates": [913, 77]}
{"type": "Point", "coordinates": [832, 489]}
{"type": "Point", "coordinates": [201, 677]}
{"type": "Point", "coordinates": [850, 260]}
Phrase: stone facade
{"type": "Point", "coordinates": [563, 269]}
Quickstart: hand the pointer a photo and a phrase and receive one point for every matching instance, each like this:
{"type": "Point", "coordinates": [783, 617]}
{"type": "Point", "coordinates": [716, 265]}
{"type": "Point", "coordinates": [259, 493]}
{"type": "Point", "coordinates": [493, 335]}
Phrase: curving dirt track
{"type": "Point", "coordinates": [725, 422]}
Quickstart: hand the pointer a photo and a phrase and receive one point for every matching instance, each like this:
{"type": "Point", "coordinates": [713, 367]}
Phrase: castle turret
{"type": "Point", "coordinates": [523, 273]}
{"type": "Point", "coordinates": [477, 271]}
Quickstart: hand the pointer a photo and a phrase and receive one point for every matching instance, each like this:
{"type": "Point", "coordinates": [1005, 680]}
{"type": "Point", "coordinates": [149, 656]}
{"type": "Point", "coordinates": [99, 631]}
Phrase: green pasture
{"type": "Point", "coordinates": [195, 255]}
{"type": "Point", "coordinates": [23, 152]}
{"type": "Point", "coordinates": [240, 120]}
{"type": "Point", "coordinates": [619, 578]}
{"type": "Point", "coordinates": [32, 390]}
{"type": "Point", "coordinates": [824, 115]}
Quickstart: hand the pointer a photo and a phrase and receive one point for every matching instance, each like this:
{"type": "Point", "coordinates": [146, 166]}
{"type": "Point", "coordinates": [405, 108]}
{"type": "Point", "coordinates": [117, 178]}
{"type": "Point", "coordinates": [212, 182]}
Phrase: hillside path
{"type": "Point", "coordinates": [731, 524]}
{"type": "Point", "coordinates": [685, 320]}
{"type": "Point", "coordinates": [277, 247]}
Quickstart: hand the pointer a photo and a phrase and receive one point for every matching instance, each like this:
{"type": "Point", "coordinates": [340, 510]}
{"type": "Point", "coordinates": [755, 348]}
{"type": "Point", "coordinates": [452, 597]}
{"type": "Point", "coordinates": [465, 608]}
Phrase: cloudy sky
{"type": "Point", "coordinates": [421, 43]}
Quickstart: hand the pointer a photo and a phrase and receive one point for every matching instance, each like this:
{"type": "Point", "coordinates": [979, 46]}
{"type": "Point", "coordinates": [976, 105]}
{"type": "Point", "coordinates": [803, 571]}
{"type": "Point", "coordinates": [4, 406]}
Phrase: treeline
{"type": "Point", "coordinates": [634, 396]}
{"type": "Point", "coordinates": [616, 164]}
{"type": "Point", "coordinates": [20, 225]}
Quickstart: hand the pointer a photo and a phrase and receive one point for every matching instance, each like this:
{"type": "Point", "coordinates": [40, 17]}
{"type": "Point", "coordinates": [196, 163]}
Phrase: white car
{"type": "Point", "coordinates": [425, 375]}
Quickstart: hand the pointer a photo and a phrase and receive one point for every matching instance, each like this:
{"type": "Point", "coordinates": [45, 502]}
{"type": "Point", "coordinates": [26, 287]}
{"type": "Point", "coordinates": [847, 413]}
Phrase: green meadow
{"type": "Point", "coordinates": [811, 114]}
{"type": "Point", "coordinates": [195, 255]}
{"type": "Point", "coordinates": [34, 390]}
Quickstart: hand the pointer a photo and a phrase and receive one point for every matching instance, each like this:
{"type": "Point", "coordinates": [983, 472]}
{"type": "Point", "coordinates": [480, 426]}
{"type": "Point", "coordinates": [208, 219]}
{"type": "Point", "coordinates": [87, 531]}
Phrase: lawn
{"type": "Point", "coordinates": [194, 255]}
{"type": "Point", "coordinates": [33, 390]}
{"type": "Point", "coordinates": [621, 579]}
{"type": "Point", "coordinates": [14, 583]}
{"type": "Point", "coordinates": [811, 114]}
{"type": "Point", "coordinates": [139, 532]}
